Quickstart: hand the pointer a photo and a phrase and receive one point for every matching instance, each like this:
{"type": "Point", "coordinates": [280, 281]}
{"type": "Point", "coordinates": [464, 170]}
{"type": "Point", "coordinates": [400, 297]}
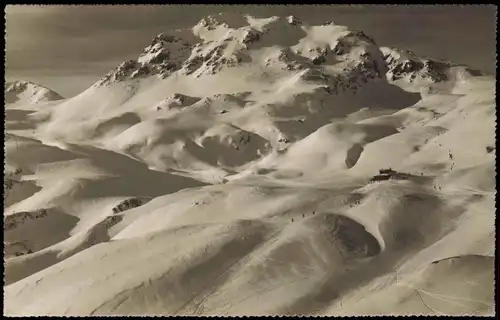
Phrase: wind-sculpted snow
{"type": "Point", "coordinates": [254, 166]}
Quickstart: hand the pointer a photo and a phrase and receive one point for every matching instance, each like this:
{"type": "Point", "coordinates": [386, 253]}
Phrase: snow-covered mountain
{"type": "Point", "coordinates": [228, 41]}
{"type": "Point", "coordinates": [241, 167]}
{"type": "Point", "coordinates": [28, 92]}
{"type": "Point", "coordinates": [404, 64]}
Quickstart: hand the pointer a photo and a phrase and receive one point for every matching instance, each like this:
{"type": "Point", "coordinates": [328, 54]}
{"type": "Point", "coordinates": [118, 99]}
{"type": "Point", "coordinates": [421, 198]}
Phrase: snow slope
{"type": "Point", "coordinates": [234, 169]}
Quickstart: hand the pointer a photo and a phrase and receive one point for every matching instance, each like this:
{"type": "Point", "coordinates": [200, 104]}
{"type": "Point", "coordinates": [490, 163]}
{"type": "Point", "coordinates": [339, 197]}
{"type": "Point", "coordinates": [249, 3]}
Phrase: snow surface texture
{"type": "Point", "coordinates": [236, 168]}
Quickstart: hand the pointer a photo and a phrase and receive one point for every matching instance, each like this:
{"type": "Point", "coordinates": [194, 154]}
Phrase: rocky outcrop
{"type": "Point", "coordinates": [165, 55]}
{"type": "Point", "coordinates": [352, 78]}
{"type": "Point", "coordinates": [389, 174]}
{"type": "Point", "coordinates": [405, 64]}
{"type": "Point", "coordinates": [16, 219]}
{"type": "Point", "coordinates": [129, 204]}
{"type": "Point", "coordinates": [16, 249]}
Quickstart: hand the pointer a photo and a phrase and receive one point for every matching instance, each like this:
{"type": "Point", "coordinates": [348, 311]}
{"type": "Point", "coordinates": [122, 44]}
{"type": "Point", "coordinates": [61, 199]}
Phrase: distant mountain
{"type": "Point", "coordinates": [231, 40]}
{"type": "Point", "coordinates": [404, 64]}
{"type": "Point", "coordinates": [28, 92]}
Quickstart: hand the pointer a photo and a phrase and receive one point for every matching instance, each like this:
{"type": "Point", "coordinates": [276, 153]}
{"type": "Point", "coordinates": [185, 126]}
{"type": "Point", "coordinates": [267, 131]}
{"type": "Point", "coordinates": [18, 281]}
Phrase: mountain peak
{"type": "Point", "coordinates": [28, 92]}
{"type": "Point", "coordinates": [406, 65]}
{"type": "Point", "coordinates": [229, 40]}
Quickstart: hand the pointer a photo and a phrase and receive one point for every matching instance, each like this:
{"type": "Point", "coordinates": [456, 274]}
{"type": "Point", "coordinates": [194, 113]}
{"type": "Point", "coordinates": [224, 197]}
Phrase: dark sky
{"type": "Point", "coordinates": [67, 48]}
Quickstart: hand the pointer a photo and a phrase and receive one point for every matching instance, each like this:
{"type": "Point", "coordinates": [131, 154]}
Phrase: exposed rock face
{"type": "Point", "coordinates": [389, 174]}
{"type": "Point", "coordinates": [111, 221]}
{"type": "Point", "coordinates": [352, 78]}
{"type": "Point", "coordinates": [129, 204]}
{"type": "Point", "coordinates": [162, 57]}
{"type": "Point", "coordinates": [345, 44]}
{"type": "Point", "coordinates": [14, 220]}
{"type": "Point", "coordinates": [358, 57]}
{"type": "Point", "coordinates": [405, 64]}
